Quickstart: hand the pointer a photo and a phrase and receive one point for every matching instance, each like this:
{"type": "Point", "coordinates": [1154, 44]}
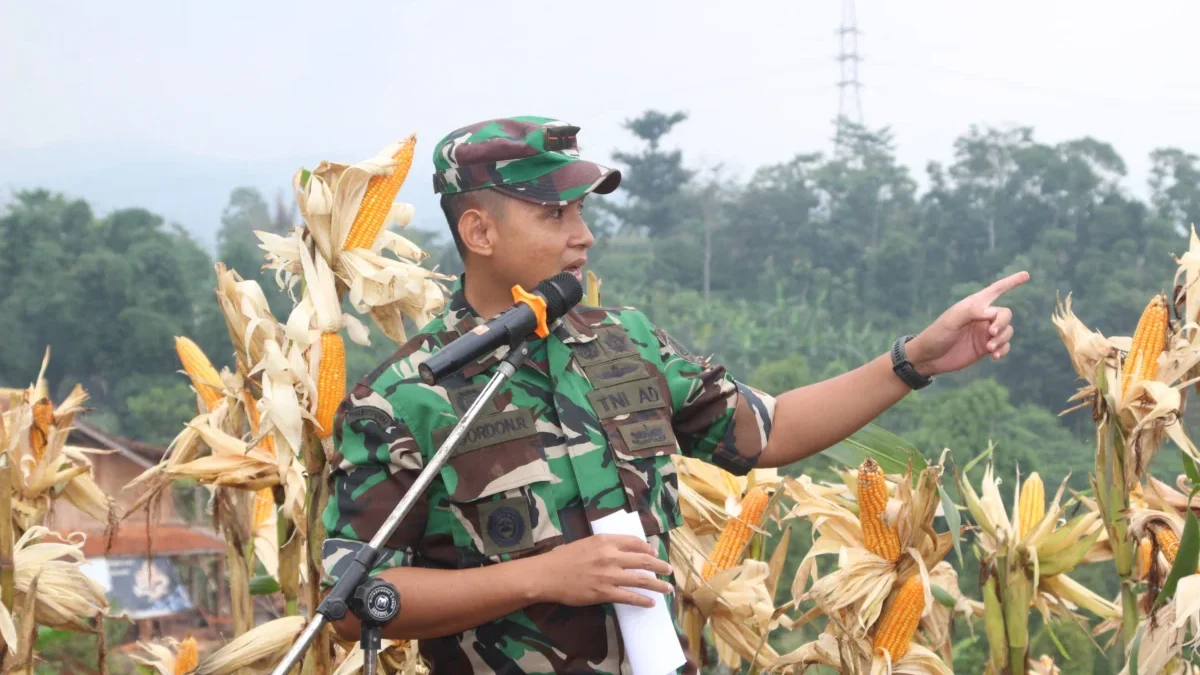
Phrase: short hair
{"type": "Point", "coordinates": [456, 204]}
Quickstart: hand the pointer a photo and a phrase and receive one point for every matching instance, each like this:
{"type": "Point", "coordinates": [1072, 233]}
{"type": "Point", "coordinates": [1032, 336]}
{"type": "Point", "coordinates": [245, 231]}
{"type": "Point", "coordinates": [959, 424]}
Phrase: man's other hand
{"type": "Point", "coordinates": [601, 568]}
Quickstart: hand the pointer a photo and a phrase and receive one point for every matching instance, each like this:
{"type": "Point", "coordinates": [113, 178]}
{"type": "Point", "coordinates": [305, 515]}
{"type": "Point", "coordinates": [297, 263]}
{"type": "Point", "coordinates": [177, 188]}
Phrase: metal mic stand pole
{"type": "Point", "coordinates": [373, 600]}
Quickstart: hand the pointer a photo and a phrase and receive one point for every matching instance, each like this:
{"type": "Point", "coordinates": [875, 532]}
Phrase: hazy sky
{"type": "Point", "coordinates": [268, 81]}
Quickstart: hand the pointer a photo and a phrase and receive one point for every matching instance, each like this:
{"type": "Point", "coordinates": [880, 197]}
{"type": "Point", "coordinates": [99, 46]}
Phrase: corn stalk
{"type": "Point", "coordinates": [1112, 495]}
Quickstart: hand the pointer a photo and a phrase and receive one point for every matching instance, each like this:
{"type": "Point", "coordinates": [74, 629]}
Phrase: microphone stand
{"type": "Point", "coordinates": [373, 600]}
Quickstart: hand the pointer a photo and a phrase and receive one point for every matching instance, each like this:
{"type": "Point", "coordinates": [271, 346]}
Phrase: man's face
{"type": "Point", "coordinates": [536, 242]}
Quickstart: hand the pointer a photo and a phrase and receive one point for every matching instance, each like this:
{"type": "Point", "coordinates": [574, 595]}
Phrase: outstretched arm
{"type": "Point", "coordinates": [813, 418]}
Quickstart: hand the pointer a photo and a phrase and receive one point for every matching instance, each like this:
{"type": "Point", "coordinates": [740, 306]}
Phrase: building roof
{"type": "Point", "coordinates": [168, 540]}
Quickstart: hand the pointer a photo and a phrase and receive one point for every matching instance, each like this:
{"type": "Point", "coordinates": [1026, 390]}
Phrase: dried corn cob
{"type": "Point", "coordinates": [1032, 504]}
{"type": "Point", "coordinates": [381, 193]}
{"type": "Point", "coordinates": [331, 381]}
{"type": "Point", "coordinates": [879, 538]}
{"type": "Point", "coordinates": [1168, 542]}
{"type": "Point", "coordinates": [899, 624]}
{"type": "Point", "coordinates": [1144, 557]}
{"type": "Point", "coordinates": [872, 489]}
{"type": "Point", "coordinates": [188, 657]}
{"type": "Point", "coordinates": [268, 443]}
{"type": "Point", "coordinates": [39, 432]}
{"type": "Point", "coordinates": [1149, 340]}
{"type": "Point", "coordinates": [736, 533]}
{"type": "Point", "coordinates": [204, 377]}
{"type": "Point", "coordinates": [264, 504]}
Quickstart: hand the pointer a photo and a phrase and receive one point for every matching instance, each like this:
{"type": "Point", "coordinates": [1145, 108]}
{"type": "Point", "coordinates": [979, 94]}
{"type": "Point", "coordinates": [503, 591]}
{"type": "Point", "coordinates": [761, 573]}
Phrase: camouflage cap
{"type": "Point", "coordinates": [531, 158]}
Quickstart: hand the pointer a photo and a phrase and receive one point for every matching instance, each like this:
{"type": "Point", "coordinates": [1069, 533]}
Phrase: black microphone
{"type": "Point", "coordinates": [532, 312]}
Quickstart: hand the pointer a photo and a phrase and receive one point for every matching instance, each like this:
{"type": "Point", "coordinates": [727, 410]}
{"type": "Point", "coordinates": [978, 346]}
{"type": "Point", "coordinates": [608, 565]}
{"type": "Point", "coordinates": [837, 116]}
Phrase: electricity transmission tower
{"type": "Point", "coordinates": [849, 86]}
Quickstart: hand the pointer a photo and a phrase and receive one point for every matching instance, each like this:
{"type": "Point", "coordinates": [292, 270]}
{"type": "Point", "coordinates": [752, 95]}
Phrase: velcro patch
{"type": "Point", "coordinates": [615, 372]}
{"type": "Point", "coordinates": [368, 412]}
{"type": "Point", "coordinates": [506, 526]}
{"type": "Point", "coordinates": [463, 397]}
{"type": "Point", "coordinates": [490, 430]}
{"type": "Point", "coordinates": [634, 396]}
{"type": "Point", "coordinates": [649, 434]}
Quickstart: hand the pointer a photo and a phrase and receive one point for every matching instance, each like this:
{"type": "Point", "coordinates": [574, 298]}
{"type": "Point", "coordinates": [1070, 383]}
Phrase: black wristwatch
{"type": "Point", "coordinates": [904, 368]}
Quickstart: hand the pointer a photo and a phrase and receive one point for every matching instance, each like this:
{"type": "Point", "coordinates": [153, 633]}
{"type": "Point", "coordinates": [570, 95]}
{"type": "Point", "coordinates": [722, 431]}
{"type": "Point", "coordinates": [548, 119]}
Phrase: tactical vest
{"type": "Point", "coordinates": [614, 411]}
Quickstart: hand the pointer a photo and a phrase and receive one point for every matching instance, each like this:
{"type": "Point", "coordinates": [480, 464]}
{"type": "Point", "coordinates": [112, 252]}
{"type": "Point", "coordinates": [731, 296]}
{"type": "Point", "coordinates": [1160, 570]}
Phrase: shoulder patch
{"type": "Point", "coordinates": [367, 412]}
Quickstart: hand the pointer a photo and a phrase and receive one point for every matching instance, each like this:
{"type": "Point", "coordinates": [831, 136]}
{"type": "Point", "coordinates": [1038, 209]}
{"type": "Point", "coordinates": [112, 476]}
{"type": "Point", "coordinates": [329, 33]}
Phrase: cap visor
{"type": "Point", "coordinates": [565, 184]}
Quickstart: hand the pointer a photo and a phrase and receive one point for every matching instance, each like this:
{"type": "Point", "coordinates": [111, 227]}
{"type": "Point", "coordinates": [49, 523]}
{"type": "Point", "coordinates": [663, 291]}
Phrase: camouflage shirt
{"type": "Point", "coordinates": [585, 427]}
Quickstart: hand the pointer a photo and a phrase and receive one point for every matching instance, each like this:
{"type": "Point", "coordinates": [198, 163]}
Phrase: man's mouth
{"type": "Point", "coordinates": [576, 268]}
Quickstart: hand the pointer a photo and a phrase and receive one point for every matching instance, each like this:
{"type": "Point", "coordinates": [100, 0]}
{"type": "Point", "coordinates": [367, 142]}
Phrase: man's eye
{"type": "Point", "coordinates": [557, 213]}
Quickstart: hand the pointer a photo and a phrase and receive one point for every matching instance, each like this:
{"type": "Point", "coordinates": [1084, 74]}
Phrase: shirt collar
{"type": "Point", "coordinates": [460, 318]}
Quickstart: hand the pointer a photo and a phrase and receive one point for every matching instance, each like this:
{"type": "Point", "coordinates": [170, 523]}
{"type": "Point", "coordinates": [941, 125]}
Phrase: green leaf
{"type": "Point", "coordinates": [304, 174]}
{"type": "Point", "coordinates": [264, 584]}
{"type": "Point", "coordinates": [1190, 468]}
{"type": "Point", "coordinates": [953, 521]}
{"type": "Point", "coordinates": [1185, 558]}
{"type": "Point", "coordinates": [891, 452]}
{"type": "Point", "coordinates": [1054, 638]}
{"type": "Point", "coordinates": [942, 595]}
{"type": "Point", "coordinates": [983, 455]}
{"type": "Point", "coordinates": [1134, 647]}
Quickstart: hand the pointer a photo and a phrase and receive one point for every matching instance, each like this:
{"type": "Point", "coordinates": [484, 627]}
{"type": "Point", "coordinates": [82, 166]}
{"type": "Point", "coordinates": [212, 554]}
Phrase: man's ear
{"type": "Point", "coordinates": [478, 231]}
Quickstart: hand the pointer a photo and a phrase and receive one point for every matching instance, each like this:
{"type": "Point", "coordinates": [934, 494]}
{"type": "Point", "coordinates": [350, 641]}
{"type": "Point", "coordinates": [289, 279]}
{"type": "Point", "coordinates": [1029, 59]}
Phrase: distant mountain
{"type": "Point", "coordinates": [191, 190]}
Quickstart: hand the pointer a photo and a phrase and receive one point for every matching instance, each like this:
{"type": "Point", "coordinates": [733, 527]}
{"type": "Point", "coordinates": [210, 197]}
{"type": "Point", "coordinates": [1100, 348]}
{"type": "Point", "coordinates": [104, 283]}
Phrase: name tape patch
{"type": "Point", "coordinates": [490, 430]}
{"type": "Point", "coordinates": [626, 398]}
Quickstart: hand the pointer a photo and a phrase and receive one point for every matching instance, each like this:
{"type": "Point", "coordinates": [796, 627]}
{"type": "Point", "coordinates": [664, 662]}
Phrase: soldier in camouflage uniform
{"type": "Point", "coordinates": [496, 565]}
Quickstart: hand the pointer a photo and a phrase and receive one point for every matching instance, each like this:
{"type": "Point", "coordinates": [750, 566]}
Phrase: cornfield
{"type": "Point", "coordinates": [876, 588]}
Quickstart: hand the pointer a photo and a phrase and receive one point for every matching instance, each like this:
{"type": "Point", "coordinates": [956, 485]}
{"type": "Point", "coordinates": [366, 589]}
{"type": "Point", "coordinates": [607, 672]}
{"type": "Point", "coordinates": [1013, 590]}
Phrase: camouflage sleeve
{"type": "Point", "coordinates": [375, 463]}
{"type": "Point", "coordinates": [716, 419]}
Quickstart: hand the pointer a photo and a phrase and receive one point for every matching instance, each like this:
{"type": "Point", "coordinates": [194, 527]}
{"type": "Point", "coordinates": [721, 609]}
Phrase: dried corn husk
{"type": "Point", "coordinates": [261, 647]}
{"type": "Point", "coordinates": [395, 658]}
{"type": "Point", "coordinates": [66, 598]}
{"type": "Point", "coordinates": [389, 289]}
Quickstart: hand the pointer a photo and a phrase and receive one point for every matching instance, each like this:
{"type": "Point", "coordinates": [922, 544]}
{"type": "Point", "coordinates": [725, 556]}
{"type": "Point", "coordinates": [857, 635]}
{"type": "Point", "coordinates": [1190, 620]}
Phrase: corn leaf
{"type": "Point", "coordinates": [891, 452]}
{"type": "Point", "coordinates": [1185, 558]}
{"type": "Point", "coordinates": [1136, 645]}
{"type": "Point", "coordinates": [953, 521]}
{"type": "Point", "coordinates": [1190, 468]}
{"type": "Point", "coordinates": [304, 174]}
{"type": "Point", "coordinates": [941, 595]}
{"type": "Point", "coordinates": [264, 584]}
{"type": "Point", "coordinates": [1054, 638]}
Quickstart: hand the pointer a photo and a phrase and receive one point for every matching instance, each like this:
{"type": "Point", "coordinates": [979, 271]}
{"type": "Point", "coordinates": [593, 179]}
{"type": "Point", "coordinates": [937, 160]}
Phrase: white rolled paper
{"type": "Point", "coordinates": [651, 644]}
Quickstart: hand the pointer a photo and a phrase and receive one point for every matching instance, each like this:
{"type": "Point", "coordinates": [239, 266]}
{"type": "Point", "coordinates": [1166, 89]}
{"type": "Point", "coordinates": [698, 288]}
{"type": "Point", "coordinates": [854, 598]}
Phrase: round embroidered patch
{"type": "Point", "coordinates": [506, 527]}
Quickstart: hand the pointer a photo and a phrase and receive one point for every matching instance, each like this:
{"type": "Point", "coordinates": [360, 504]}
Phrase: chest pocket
{"type": "Point", "coordinates": [499, 486]}
{"type": "Point", "coordinates": [633, 403]}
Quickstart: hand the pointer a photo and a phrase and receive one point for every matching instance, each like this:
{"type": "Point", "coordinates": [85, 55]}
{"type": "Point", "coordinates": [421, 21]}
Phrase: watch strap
{"type": "Point", "coordinates": [904, 368]}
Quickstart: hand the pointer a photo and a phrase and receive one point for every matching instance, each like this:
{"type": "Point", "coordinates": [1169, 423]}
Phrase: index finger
{"type": "Point", "coordinates": [1004, 285]}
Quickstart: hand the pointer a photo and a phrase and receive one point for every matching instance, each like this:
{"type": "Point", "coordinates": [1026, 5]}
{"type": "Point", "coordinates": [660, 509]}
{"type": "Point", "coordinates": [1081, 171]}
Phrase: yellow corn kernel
{"type": "Point", "coordinates": [1032, 504]}
{"type": "Point", "coordinates": [736, 533]}
{"type": "Point", "coordinates": [1168, 542]}
{"type": "Point", "coordinates": [593, 290]}
{"type": "Point", "coordinates": [268, 442]}
{"type": "Point", "coordinates": [378, 200]}
{"type": "Point", "coordinates": [899, 623]}
{"type": "Point", "coordinates": [872, 489]}
{"type": "Point", "coordinates": [204, 377]}
{"type": "Point", "coordinates": [1144, 557]}
{"type": "Point", "coordinates": [881, 539]}
{"type": "Point", "coordinates": [39, 432]}
{"type": "Point", "coordinates": [331, 381]}
{"type": "Point", "coordinates": [188, 657]}
{"type": "Point", "coordinates": [1149, 340]}
{"type": "Point", "coordinates": [264, 505]}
